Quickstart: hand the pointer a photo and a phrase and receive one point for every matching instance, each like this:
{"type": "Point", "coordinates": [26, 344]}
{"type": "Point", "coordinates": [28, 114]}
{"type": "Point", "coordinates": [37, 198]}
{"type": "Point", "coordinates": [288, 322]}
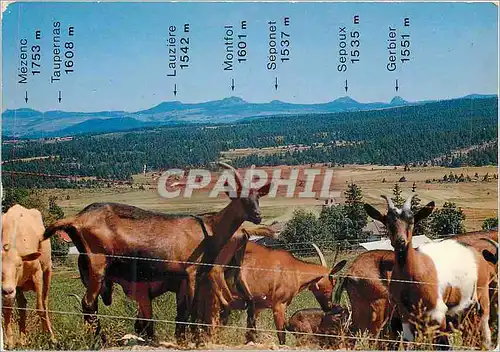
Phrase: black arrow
{"type": "Point", "coordinates": [232, 84]}
{"type": "Point", "coordinates": [26, 97]}
{"type": "Point", "coordinates": [346, 87]}
{"type": "Point", "coordinates": [175, 89]}
{"type": "Point", "coordinates": [59, 96]}
{"type": "Point", "coordinates": [276, 83]}
{"type": "Point", "coordinates": [397, 87]}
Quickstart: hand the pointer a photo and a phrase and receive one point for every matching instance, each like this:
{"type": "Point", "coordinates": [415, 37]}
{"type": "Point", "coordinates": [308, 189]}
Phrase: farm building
{"type": "Point", "coordinates": [385, 243]}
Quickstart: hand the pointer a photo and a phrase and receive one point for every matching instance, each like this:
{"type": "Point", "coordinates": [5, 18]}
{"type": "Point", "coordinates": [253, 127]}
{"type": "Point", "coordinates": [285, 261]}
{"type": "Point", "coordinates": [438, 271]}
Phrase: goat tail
{"type": "Point", "coordinates": [64, 225]}
{"type": "Point", "coordinates": [339, 288]}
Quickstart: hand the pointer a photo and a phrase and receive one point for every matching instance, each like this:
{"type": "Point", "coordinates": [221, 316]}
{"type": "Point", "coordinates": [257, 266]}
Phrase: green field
{"type": "Point", "coordinates": [478, 200]}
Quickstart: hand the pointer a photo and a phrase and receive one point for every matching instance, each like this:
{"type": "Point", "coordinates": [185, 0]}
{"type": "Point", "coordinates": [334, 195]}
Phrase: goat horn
{"type": "Point", "coordinates": [320, 255]}
{"type": "Point", "coordinates": [390, 204]}
{"type": "Point", "coordinates": [407, 205]}
{"type": "Point", "coordinates": [236, 173]}
{"type": "Point", "coordinates": [77, 297]}
{"type": "Point", "coordinates": [246, 233]}
{"type": "Point", "coordinates": [336, 255]}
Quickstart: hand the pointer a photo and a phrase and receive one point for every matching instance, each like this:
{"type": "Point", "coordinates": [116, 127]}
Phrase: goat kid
{"type": "Point", "coordinates": [154, 244]}
{"type": "Point", "coordinates": [309, 324]}
{"type": "Point", "coordinates": [274, 277]}
{"type": "Point", "coordinates": [447, 277]}
{"type": "Point", "coordinates": [26, 266]}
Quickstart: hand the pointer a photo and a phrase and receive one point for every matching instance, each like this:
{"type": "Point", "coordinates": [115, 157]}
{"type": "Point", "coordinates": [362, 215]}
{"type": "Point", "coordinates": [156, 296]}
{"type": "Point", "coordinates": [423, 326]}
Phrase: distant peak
{"type": "Point", "coordinates": [398, 100]}
{"type": "Point", "coordinates": [345, 99]}
{"type": "Point", "coordinates": [21, 112]}
{"type": "Point", "coordinates": [233, 99]}
{"type": "Point", "coordinates": [172, 102]}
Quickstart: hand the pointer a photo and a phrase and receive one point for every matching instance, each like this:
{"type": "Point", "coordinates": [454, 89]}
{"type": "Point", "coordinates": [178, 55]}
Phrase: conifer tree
{"type": "Point", "coordinates": [397, 198]}
{"type": "Point", "coordinates": [354, 209]}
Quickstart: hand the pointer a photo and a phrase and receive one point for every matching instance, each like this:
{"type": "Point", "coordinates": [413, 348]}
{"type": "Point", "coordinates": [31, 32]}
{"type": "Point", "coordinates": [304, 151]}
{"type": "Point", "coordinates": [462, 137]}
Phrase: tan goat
{"type": "Point", "coordinates": [26, 266]}
{"type": "Point", "coordinates": [447, 277]}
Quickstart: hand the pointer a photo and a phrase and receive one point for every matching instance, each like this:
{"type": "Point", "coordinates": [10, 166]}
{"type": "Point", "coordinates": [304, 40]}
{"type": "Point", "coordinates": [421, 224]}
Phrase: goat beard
{"type": "Point", "coordinates": [401, 254]}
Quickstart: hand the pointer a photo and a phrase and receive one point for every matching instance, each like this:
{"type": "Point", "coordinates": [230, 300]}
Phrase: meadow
{"type": "Point", "coordinates": [117, 321]}
{"type": "Point", "coordinates": [477, 199]}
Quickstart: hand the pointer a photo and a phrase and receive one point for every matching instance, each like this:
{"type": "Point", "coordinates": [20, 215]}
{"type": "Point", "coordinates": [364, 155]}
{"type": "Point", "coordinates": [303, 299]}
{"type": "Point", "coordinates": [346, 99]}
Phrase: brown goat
{"type": "Point", "coordinates": [26, 266]}
{"type": "Point", "coordinates": [274, 277]}
{"type": "Point", "coordinates": [367, 284]}
{"type": "Point", "coordinates": [446, 277]}
{"type": "Point", "coordinates": [144, 292]}
{"type": "Point", "coordinates": [128, 245]}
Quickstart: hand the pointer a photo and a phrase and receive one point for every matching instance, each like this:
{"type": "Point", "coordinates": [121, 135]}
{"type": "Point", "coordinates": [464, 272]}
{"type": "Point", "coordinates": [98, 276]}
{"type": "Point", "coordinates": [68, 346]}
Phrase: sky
{"type": "Point", "coordinates": [121, 54]}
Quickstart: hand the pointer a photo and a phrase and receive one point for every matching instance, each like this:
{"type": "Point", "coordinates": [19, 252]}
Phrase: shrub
{"type": "Point", "coordinates": [447, 220]}
{"type": "Point", "coordinates": [489, 223]}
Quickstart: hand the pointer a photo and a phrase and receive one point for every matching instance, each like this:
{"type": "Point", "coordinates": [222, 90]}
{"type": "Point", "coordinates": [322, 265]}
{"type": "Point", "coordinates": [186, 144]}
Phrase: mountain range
{"type": "Point", "coordinates": [27, 122]}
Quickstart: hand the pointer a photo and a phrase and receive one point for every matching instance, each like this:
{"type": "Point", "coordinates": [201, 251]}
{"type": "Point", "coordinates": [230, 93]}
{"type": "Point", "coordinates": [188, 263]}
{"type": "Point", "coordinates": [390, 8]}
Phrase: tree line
{"type": "Point", "coordinates": [416, 135]}
{"type": "Point", "coordinates": [344, 225]}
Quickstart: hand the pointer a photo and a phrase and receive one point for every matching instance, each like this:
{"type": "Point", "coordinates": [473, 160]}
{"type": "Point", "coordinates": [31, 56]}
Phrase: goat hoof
{"type": "Point", "coordinates": [224, 303]}
{"type": "Point", "coordinates": [489, 347]}
{"type": "Point", "coordinates": [53, 340]}
{"type": "Point", "coordinates": [144, 328]}
{"type": "Point", "coordinates": [22, 339]}
{"type": "Point", "coordinates": [9, 345]}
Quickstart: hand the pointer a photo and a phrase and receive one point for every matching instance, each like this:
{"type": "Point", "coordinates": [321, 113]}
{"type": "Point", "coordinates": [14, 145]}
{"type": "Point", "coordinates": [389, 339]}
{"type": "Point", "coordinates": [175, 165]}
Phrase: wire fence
{"type": "Point", "coordinates": [244, 328]}
{"type": "Point", "coordinates": [298, 248]}
{"type": "Point", "coordinates": [262, 269]}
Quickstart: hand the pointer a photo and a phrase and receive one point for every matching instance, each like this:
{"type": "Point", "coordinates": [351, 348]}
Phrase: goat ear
{"type": "Point", "coordinates": [31, 256]}
{"type": "Point", "coordinates": [264, 190]}
{"type": "Point", "coordinates": [490, 256]}
{"type": "Point", "coordinates": [246, 237]}
{"type": "Point", "coordinates": [231, 194]}
{"type": "Point", "coordinates": [339, 266]}
{"type": "Point", "coordinates": [316, 286]}
{"type": "Point", "coordinates": [374, 213]}
{"type": "Point", "coordinates": [424, 212]}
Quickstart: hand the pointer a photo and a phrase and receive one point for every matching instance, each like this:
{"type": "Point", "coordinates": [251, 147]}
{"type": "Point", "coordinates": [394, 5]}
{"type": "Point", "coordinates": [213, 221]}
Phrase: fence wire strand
{"type": "Point", "coordinates": [229, 266]}
{"type": "Point", "coordinates": [236, 327]}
